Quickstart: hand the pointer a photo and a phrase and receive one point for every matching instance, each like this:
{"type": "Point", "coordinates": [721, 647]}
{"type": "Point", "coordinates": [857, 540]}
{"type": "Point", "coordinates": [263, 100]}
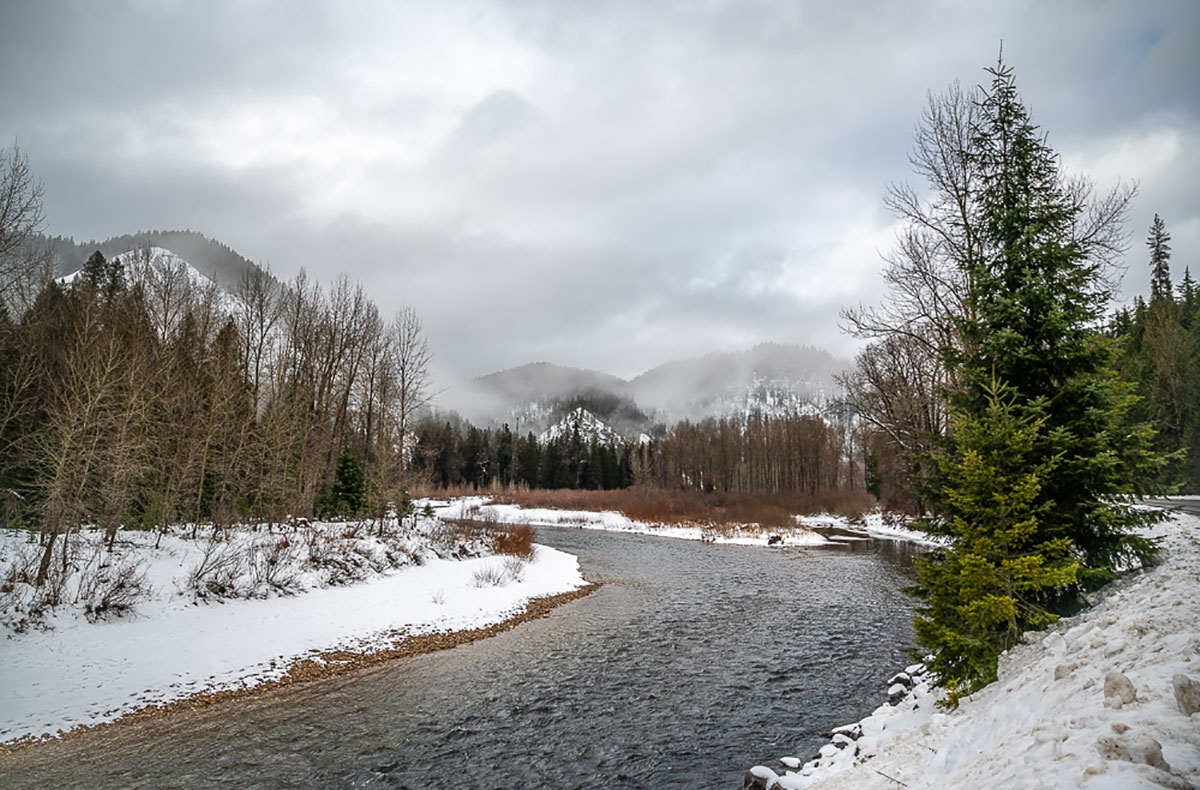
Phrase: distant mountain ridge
{"type": "Point", "coordinates": [770, 379]}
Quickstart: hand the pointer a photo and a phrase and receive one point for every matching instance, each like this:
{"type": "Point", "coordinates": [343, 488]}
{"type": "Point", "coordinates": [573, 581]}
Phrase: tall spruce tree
{"type": "Point", "coordinates": [1160, 255]}
{"type": "Point", "coordinates": [1036, 397]}
{"type": "Point", "coordinates": [1038, 301]}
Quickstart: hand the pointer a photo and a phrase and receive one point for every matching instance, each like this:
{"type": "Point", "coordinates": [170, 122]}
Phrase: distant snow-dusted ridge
{"type": "Point", "coordinates": [1052, 720]}
{"type": "Point", "coordinates": [157, 257]}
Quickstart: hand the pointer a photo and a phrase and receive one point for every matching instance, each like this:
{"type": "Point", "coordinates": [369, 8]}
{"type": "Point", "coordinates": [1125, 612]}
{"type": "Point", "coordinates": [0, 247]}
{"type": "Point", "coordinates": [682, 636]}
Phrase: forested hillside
{"type": "Point", "coordinates": [209, 256]}
{"type": "Point", "coordinates": [139, 396]}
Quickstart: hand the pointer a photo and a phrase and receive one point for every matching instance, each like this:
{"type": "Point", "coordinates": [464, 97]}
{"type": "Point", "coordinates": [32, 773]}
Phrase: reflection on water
{"type": "Point", "coordinates": [690, 664]}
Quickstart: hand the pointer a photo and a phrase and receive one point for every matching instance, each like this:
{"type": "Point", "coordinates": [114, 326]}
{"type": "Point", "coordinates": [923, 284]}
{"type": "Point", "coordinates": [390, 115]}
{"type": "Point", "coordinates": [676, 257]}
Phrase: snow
{"type": "Point", "coordinates": [590, 427]}
{"type": "Point", "coordinates": [81, 673]}
{"type": "Point", "coordinates": [1045, 722]}
{"type": "Point", "coordinates": [612, 521]}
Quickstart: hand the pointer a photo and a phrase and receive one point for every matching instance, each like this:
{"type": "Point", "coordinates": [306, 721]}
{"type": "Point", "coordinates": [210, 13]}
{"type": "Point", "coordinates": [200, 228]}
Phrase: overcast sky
{"type": "Point", "coordinates": [607, 185]}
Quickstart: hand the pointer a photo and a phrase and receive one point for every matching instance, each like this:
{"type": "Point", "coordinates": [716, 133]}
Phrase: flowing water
{"type": "Point", "coordinates": [692, 663]}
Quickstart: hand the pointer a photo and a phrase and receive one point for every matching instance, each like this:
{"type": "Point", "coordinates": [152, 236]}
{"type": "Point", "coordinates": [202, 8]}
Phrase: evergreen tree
{"type": "Point", "coordinates": [348, 496]}
{"type": "Point", "coordinates": [1033, 483]}
{"type": "Point", "coordinates": [1160, 254]}
{"type": "Point", "coordinates": [989, 586]}
{"type": "Point", "coordinates": [1035, 302]}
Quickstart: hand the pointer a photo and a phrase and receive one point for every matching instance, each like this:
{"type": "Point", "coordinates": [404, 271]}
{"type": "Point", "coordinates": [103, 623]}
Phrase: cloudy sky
{"type": "Point", "coordinates": [602, 184]}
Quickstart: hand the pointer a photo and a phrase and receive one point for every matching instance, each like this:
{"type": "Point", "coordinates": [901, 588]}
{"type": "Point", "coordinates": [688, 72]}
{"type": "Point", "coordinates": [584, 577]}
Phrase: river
{"type": "Point", "coordinates": [691, 663]}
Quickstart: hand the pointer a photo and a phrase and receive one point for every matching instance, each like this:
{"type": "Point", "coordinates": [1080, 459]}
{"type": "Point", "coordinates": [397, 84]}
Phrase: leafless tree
{"type": "Point", "coordinates": [411, 371]}
{"type": "Point", "coordinates": [23, 267]}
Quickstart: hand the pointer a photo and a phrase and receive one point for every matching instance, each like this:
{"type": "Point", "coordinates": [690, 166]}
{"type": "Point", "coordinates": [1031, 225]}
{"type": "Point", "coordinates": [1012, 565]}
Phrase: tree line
{"type": "Point", "coordinates": [1158, 349]}
{"type": "Point", "coordinates": [784, 454]}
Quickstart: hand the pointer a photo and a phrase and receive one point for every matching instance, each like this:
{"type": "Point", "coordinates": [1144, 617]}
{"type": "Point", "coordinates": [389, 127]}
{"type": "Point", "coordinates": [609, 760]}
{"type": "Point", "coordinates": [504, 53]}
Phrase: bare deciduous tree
{"type": "Point", "coordinates": [23, 267]}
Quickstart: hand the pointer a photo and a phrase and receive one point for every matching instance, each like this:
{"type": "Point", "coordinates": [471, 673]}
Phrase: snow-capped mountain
{"type": "Point", "coordinates": [213, 259]}
{"type": "Point", "coordinates": [152, 260]}
{"type": "Point", "coordinates": [590, 427]}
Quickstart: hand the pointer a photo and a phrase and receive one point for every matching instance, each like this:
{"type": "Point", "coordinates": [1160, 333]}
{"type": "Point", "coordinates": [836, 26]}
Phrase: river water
{"type": "Point", "coordinates": [692, 663]}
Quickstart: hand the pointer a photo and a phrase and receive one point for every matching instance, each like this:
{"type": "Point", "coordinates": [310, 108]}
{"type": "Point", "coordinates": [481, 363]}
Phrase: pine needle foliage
{"type": "Point", "coordinates": [990, 585]}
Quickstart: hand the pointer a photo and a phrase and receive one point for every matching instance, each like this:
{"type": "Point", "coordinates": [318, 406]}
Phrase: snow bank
{"type": "Point", "coordinates": [611, 520]}
{"type": "Point", "coordinates": [173, 645]}
{"type": "Point", "coordinates": [1062, 713]}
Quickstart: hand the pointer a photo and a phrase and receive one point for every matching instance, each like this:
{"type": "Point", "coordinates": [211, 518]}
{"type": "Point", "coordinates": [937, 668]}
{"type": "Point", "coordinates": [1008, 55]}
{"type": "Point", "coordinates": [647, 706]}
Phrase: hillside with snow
{"type": "Point", "coordinates": [590, 428]}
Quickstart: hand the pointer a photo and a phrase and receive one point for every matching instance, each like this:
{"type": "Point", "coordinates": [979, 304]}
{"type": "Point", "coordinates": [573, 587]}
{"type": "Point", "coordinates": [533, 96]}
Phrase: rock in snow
{"type": "Point", "coordinates": [1187, 694]}
{"type": "Point", "coordinates": [1132, 748]}
{"type": "Point", "coordinates": [1118, 691]}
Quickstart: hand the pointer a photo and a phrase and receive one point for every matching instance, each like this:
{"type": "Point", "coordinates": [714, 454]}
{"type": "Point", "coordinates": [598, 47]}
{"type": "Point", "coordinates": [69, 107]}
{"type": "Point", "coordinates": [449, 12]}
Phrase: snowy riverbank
{"type": "Point", "coordinates": [172, 644]}
{"type": "Point", "coordinates": [612, 521]}
{"type": "Point", "coordinates": [1061, 714]}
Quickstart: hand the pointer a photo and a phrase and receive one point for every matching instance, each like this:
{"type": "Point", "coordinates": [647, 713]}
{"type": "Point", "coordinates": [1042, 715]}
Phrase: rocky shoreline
{"type": "Point", "coordinates": [318, 666]}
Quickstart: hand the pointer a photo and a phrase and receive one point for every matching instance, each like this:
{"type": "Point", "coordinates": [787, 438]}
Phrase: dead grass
{"type": "Point", "coordinates": [715, 508]}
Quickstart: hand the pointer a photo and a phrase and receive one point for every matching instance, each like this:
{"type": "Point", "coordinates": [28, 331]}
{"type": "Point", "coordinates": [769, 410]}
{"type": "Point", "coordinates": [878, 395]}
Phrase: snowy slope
{"type": "Point", "coordinates": [156, 258]}
{"type": "Point", "coordinates": [591, 429]}
{"type": "Point", "coordinates": [171, 283]}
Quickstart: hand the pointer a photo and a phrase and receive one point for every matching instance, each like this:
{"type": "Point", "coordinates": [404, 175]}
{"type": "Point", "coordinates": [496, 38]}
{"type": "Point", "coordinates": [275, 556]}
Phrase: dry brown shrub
{"type": "Point", "coordinates": [516, 541]}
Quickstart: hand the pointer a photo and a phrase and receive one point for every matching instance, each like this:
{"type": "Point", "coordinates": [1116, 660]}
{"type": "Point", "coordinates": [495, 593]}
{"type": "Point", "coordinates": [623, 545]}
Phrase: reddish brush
{"type": "Point", "coordinates": [515, 540]}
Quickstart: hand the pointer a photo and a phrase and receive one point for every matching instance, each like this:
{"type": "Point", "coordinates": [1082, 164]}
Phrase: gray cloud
{"type": "Point", "coordinates": [599, 184]}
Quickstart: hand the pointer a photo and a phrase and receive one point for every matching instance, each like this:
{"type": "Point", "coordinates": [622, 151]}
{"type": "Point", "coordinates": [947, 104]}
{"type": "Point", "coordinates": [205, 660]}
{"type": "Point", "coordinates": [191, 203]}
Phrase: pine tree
{"type": "Point", "coordinates": [1033, 482]}
{"type": "Point", "coordinates": [1160, 254]}
{"type": "Point", "coordinates": [988, 587]}
{"type": "Point", "coordinates": [348, 496]}
{"type": "Point", "coordinates": [1036, 300]}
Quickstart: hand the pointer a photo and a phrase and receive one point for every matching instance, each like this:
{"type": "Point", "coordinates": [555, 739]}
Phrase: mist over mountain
{"type": "Point", "coordinates": [208, 256]}
{"type": "Point", "coordinates": [771, 379]}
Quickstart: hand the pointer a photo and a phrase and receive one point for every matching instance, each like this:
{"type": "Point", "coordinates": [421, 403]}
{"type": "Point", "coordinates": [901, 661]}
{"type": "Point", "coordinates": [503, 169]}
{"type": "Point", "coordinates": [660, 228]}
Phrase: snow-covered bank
{"type": "Point", "coordinates": [172, 645]}
{"type": "Point", "coordinates": [1097, 702]}
{"type": "Point", "coordinates": [894, 526]}
{"type": "Point", "coordinates": [611, 520]}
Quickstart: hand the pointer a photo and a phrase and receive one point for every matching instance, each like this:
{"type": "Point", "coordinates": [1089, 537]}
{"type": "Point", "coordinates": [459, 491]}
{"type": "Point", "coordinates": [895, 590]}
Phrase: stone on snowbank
{"type": "Point", "coordinates": [1187, 694]}
{"type": "Point", "coordinates": [1132, 748]}
{"type": "Point", "coordinates": [1118, 691]}
{"type": "Point", "coordinates": [760, 777]}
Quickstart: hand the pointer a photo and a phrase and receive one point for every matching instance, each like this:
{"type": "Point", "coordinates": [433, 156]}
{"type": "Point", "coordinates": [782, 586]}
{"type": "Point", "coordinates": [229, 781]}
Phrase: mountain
{"type": "Point", "coordinates": [211, 258]}
{"type": "Point", "coordinates": [157, 258]}
{"type": "Point", "coordinates": [171, 285]}
{"type": "Point", "coordinates": [770, 379]}
{"type": "Point", "coordinates": [529, 397]}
